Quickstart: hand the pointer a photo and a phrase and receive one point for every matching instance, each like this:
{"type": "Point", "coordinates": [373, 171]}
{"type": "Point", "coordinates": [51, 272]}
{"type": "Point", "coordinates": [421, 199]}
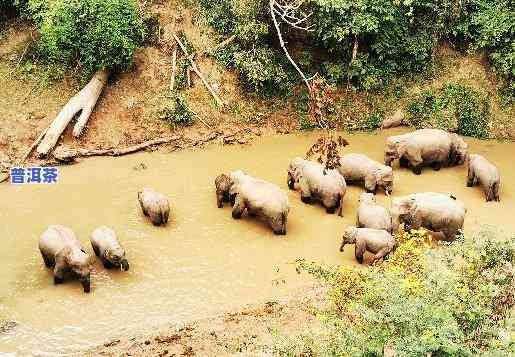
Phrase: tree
{"type": "Point", "coordinates": [100, 36]}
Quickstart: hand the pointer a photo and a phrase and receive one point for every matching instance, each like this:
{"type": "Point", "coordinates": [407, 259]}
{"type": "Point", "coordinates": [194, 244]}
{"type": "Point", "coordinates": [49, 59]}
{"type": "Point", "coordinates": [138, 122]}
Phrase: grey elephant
{"type": "Point", "coordinates": [376, 241]}
{"type": "Point", "coordinates": [361, 168]}
{"type": "Point", "coordinates": [484, 173]}
{"type": "Point", "coordinates": [107, 247]}
{"type": "Point", "coordinates": [155, 205]}
{"type": "Point", "coordinates": [258, 197]}
{"type": "Point", "coordinates": [372, 215]}
{"type": "Point", "coordinates": [62, 251]}
{"type": "Point", "coordinates": [426, 147]}
{"type": "Point", "coordinates": [442, 214]}
{"type": "Point", "coordinates": [317, 184]}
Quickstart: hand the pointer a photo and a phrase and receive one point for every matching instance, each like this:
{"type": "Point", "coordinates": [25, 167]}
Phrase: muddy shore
{"type": "Point", "coordinates": [251, 331]}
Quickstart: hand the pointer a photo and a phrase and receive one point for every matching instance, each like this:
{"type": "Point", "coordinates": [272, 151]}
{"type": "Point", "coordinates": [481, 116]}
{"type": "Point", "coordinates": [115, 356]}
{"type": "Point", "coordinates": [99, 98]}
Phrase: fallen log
{"type": "Point", "coordinates": [66, 154]}
{"type": "Point", "coordinates": [197, 71]}
{"type": "Point", "coordinates": [82, 102]}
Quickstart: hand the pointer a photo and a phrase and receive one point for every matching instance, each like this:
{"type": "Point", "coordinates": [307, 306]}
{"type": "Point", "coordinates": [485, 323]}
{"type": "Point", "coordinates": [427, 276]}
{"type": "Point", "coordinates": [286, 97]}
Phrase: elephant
{"type": "Point", "coordinates": [61, 250]}
{"type": "Point", "coordinates": [376, 241]}
{"type": "Point", "coordinates": [359, 167]}
{"type": "Point", "coordinates": [223, 185]}
{"type": "Point", "coordinates": [258, 197]}
{"type": "Point", "coordinates": [484, 173]}
{"type": "Point", "coordinates": [317, 184]}
{"type": "Point", "coordinates": [442, 214]}
{"type": "Point", "coordinates": [372, 215]}
{"type": "Point", "coordinates": [106, 246]}
{"type": "Point", "coordinates": [433, 147]}
{"type": "Point", "coordinates": [155, 205]}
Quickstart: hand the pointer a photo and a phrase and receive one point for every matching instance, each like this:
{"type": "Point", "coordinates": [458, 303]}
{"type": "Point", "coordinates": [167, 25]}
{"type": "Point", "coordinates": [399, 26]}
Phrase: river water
{"type": "Point", "coordinates": [203, 262]}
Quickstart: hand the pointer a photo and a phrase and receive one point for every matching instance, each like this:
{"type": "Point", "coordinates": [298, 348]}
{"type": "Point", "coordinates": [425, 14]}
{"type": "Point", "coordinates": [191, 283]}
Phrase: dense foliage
{"type": "Point", "coordinates": [391, 37]}
{"type": "Point", "coordinates": [451, 301]}
{"type": "Point", "coordinates": [455, 107]}
{"type": "Point", "coordinates": [96, 34]}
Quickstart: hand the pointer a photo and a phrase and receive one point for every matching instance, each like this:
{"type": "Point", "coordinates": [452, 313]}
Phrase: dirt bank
{"type": "Point", "coordinates": [251, 331]}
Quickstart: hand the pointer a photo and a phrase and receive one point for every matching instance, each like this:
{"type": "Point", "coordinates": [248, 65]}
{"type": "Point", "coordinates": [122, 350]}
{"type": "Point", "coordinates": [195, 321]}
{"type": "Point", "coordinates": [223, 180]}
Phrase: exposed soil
{"type": "Point", "coordinates": [252, 331]}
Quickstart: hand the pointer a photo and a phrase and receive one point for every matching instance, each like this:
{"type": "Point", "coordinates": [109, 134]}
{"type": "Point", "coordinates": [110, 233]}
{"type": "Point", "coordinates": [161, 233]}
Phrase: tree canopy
{"type": "Point", "coordinates": [96, 34]}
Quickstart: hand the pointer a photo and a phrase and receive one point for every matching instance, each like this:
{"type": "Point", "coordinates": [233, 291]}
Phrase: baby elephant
{"type": "Point", "coordinates": [106, 246]}
{"type": "Point", "coordinates": [155, 205]}
{"type": "Point", "coordinates": [258, 197]}
{"type": "Point", "coordinates": [61, 250]}
{"type": "Point", "coordinates": [361, 168]}
{"type": "Point", "coordinates": [317, 184]}
{"type": "Point", "coordinates": [376, 241]}
{"type": "Point", "coordinates": [372, 215]}
{"type": "Point", "coordinates": [484, 173]}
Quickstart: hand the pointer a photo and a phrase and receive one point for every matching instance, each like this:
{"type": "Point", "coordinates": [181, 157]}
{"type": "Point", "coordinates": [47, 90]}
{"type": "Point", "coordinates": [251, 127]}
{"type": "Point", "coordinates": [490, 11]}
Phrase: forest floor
{"type": "Point", "coordinates": [252, 331]}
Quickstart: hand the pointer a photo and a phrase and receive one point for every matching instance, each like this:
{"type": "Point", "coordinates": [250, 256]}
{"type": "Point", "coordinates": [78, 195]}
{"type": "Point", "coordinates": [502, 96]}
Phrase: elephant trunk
{"type": "Point", "coordinates": [86, 283]}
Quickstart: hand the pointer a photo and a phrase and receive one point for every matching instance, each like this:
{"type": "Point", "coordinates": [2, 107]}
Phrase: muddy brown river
{"type": "Point", "coordinates": [203, 262]}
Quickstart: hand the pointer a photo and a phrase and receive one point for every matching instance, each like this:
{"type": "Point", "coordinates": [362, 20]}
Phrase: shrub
{"type": "Point", "coordinates": [455, 107]}
{"type": "Point", "coordinates": [451, 301]}
{"type": "Point", "coordinates": [176, 112]}
{"type": "Point", "coordinates": [97, 34]}
{"type": "Point", "coordinates": [262, 71]}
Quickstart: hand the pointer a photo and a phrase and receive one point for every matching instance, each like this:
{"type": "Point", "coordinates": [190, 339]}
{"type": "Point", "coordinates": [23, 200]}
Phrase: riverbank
{"type": "Point", "coordinates": [132, 109]}
{"type": "Point", "coordinates": [252, 330]}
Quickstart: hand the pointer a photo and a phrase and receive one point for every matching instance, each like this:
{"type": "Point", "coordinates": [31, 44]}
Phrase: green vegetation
{"type": "Point", "coordinates": [97, 34]}
{"type": "Point", "coordinates": [454, 107]}
{"type": "Point", "coordinates": [176, 112]}
{"type": "Point", "coordinates": [386, 37]}
{"type": "Point", "coordinates": [454, 300]}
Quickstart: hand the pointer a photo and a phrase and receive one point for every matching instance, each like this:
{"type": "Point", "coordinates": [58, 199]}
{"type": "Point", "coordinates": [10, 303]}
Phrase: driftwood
{"type": "Point", "coordinates": [63, 153]}
{"type": "Point", "coordinates": [83, 102]}
{"type": "Point", "coordinates": [197, 71]}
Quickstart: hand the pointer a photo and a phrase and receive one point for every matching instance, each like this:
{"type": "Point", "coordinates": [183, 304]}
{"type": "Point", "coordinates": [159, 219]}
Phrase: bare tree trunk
{"type": "Point", "coordinates": [283, 45]}
{"type": "Point", "coordinates": [199, 74]}
{"type": "Point", "coordinates": [354, 49]}
{"type": "Point", "coordinates": [83, 102]}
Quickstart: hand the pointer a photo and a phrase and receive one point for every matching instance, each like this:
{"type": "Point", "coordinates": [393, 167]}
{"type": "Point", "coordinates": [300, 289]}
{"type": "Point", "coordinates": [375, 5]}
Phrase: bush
{"type": "Point", "coordinates": [97, 34]}
{"type": "Point", "coordinates": [176, 112]}
{"type": "Point", "coordinates": [455, 107]}
{"type": "Point", "coordinates": [262, 71]}
{"type": "Point", "coordinates": [452, 301]}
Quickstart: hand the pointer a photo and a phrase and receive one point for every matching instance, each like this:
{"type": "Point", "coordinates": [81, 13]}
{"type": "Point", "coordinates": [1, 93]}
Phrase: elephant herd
{"type": "Point", "coordinates": [442, 214]}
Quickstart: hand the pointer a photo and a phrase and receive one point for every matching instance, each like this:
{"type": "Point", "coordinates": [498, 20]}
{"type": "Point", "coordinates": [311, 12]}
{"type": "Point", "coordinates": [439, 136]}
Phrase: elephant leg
{"type": "Point", "coordinates": [239, 207]}
{"type": "Point", "coordinates": [470, 177]}
{"type": "Point", "coordinates": [107, 264]}
{"type": "Point", "coordinates": [436, 166]}
{"type": "Point", "coordinates": [49, 262]}
{"type": "Point", "coordinates": [279, 224]}
{"type": "Point", "coordinates": [496, 192]}
{"type": "Point", "coordinates": [58, 275]}
{"type": "Point", "coordinates": [305, 192]}
{"type": "Point", "coordinates": [330, 210]}
{"type": "Point", "coordinates": [403, 162]}
{"type": "Point", "coordinates": [155, 217]}
{"type": "Point", "coordinates": [359, 252]}
{"type": "Point", "coordinates": [417, 170]}
{"type": "Point", "coordinates": [95, 249]}
{"type": "Point", "coordinates": [382, 253]}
